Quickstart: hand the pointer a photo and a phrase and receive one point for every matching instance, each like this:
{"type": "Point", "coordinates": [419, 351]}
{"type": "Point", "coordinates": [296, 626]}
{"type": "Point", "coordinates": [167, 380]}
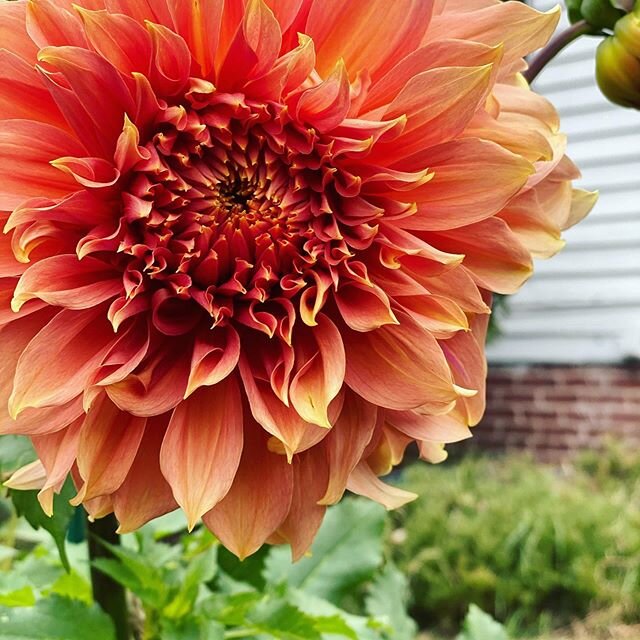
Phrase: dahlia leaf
{"type": "Point", "coordinates": [335, 625]}
{"type": "Point", "coordinates": [133, 571]}
{"type": "Point", "coordinates": [192, 629]}
{"type": "Point", "coordinates": [283, 621]}
{"type": "Point", "coordinates": [55, 618]}
{"type": "Point", "coordinates": [23, 597]}
{"type": "Point", "coordinates": [388, 598]}
{"type": "Point", "coordinates": [347, 551]}
{"type": "Point", "coordinates": [479, 625]}
{"type": "Point", "coordinates": [15, 452]}
{"type": "Point", "coordinates": [248, 571]}
{"type": "Point", "coordinates": [201, 570]}
{"type": "Point", "coordinates": [27, 505]}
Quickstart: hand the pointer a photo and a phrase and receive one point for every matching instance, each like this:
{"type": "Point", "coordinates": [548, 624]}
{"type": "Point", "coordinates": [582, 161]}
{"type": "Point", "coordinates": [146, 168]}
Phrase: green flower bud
{"type": "Point", "coordinates": [618, 73]}
{"type": "Point", "coordinates": [600, 13]}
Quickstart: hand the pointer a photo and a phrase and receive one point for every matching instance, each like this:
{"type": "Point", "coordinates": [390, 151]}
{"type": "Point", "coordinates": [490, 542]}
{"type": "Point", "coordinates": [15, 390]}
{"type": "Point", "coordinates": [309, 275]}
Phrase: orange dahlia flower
{"type": "Point", "coordinates": [249, 245]}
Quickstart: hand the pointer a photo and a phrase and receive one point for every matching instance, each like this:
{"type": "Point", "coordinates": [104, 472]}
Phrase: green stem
{"type": "Point", "coordinates": [555, 46]}
{"type": "Point", "coordinates": [110, 595]}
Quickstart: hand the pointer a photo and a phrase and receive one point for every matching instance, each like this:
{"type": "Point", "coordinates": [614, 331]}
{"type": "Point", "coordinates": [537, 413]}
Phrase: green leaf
{"type": "Point", "coordinates": [346, 552]}
{"type": "Point", "coordinates": [283, 621]}
{"type": "Point", "coordinates": [335, 625]}
{"type": "Point", "coordinates": [192, 629]}
{"type": "Point", "coordinates": [15, 452]}
{"type": "Point", "coordinates": [248, 571]}
{"type": "Point", "coordinates": [27, 505]}
{"type": "Point", "coordinates": [201, 569]}
{"type": "Point", "coordinates": [364, 628]}
{"type": "Point", "coordinates": [479, 625]}
{"type": "Point", "coordinates": [23, 597]}
{"type": "Point", "coordinates": [142, 580]}
{"type": "Point", "coordinates": [232, 610]}
{"type": "Point", "coordinates": [72, 585]}
{"type": "Point", "coordinates": [55, 618]}
{"type": "Point", "coordinates": [388, 598]}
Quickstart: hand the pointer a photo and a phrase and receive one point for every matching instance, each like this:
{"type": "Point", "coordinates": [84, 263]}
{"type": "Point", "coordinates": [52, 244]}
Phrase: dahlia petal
{"type": "Point", "coordinates": [158, 385]}
{"type": "Point", "coordinates": [384, 367]}
{"type": "Point", "coordinates": [51, 25]}
{"type": "Point", "coordinates": [438, 104]}
{"type": "Point", "coordinates": [364, 482]}
{"type": "Point", "coordinates": [310, 478]}
{"type": "Point", "coordinates": [321, 377]}
{"type": "Point", "coordinates": [518, 27]}
{"type": "Point", "coordinates": [285, 11]}
{"type": "Point", "coordinates": [140, 10]}
{"type": "Point", "coordinates": [69, 348]}
{"type": "Point", "coordinates": [13, 33]}
{"type": "Point", "coordinates": [388, 451]}
{"type": "Point", "coordinates": [433, 452]}
{"type": "Point", "coordinates": [81, 209]}
{"type": "Point", "coordinates": [463, 190]}
{"type": "Point", "coordinates": [7, 315]}
{"type": "Point", "coordinates": [364, 308]}
{"type": "Point", "coordinates": [278, 419]}
{"type": "Point", "coordinates": [65, 281]}
{"type": "Point", "coordinates": [494, 256]}
{"type": "Point", "coordinates": [439, 315]}
{"type": "Point", "coordinates": [352, 30]}
{"type": "Point", "coordinates": [28, 147]}
{"type": "Point", "coordinates": [446, 53]}
{"type": "Point", "coordinates": [9, 265]}
{"type": "Point", "coordinates": [128, 152]}
{"type": "Point", "coordinates": [582, 202]}
{"type": "Point", "coordinates": [258, 501]}
{"type": "Point", "coordinates": [57, 452]}
{"type": "Point", "coordinates": [38, 422]}
{"type": "Point", "coordinates": [465, 355]}
{"type": "Point", "coordinates": [536, 226]}
{"type": "Point", "coordinates": [202, 448]}
{"type": "Point", "coordinates": [199, 23]}
{"type": "Point", "coordinates": [287, 74]}
{"type": "Point", "coordinates": [119, 39]}
{"type": "Point", "coordinates": [22, 95]}
{"type": "Point", "coordinates": [109, 441]}
{"type": "Point", "coordinates": [346, 444]}
{"type": "Point", "coordinates": [171, 60]}
{"type": "Point", "coordinates": [89, 77]}
{"type": "Point", "coordinates": [425, 428]}
{"type": "Point", "coordinates": [254, 49]}
{"type": "Point", "coordinates": [215, 356]}
{"type": "Point", "coordinates": [29, 477]}
{"type": "Point", "coordinates": [144, 494]}
{"type": "Point", "coordinates": [98, 507]}
{"type": "Point", "coordinates": [326, 105]}
{"type": "Point", "coordinates": [126, 354]}
{"type": "Point", "coordinates": [468, 296]}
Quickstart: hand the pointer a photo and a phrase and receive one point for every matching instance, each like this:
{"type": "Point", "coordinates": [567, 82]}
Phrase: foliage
{"type": "Point", "coordinates": [479, 625]}
{"type": "Point", "coordinates": [528, 544]}
{"type": "Point", "coordinates": [188, 587]}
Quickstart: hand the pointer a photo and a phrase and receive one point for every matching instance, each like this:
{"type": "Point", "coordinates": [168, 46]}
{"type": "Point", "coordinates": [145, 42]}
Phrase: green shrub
{"type": "Point", "coordinates": [534, 546]}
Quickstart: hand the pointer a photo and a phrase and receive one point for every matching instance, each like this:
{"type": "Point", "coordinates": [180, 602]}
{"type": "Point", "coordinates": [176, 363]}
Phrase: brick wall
{"type": "Point", "coordinates": [554, 411]}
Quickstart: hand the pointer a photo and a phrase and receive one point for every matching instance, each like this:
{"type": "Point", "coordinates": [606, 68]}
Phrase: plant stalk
{"type": "Point", "coordinates": [110, 595]}
{"type": "Point", "coordinates": [555, 46]}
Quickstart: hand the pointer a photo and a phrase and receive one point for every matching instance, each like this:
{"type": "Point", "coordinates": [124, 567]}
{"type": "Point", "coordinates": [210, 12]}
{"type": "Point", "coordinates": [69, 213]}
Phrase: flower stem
{"type": "Point", "coordinates": [555, 46]}
{"type": "Point", "coordinates": [107, 593]}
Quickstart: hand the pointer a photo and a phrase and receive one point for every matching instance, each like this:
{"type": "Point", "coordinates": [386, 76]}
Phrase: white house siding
{"type": "Point", "coordinates": [583, 306]}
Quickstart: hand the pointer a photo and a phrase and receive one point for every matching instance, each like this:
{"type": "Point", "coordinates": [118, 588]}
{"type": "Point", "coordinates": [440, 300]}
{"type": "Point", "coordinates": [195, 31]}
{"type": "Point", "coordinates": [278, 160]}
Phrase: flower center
{"type": "Point", "coordinates": [235, 206]}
